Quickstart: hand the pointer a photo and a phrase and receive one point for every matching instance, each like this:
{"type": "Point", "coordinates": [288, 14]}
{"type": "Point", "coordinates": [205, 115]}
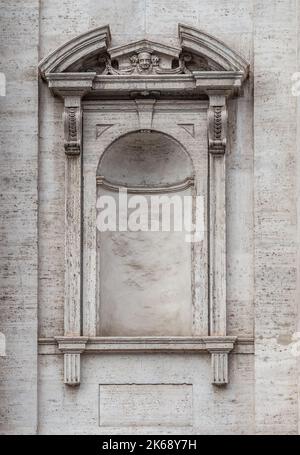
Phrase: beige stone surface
{"type": "Point", "coordinates": [275, 217]}
{"type": "Point", "coordinates": [262, 224]}
{"type": "Point", "coordinates": [18, 212]}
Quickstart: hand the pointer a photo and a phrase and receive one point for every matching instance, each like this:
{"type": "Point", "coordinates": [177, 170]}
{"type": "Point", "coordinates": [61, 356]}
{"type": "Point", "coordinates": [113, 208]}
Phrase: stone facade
{"type": "Point", "coordinates": [234, 370]}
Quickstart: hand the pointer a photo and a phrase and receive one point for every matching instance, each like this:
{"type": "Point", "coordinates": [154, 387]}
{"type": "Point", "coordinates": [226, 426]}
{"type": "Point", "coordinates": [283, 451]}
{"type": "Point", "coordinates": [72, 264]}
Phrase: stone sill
{"type": "Point", "coordinates": [95, 345]}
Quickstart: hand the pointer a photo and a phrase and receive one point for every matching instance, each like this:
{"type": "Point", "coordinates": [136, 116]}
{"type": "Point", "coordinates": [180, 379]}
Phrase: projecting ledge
{"type": "Point", "coordinates": [142, 344]}
{"type": "Point", "coordinates": [49, 346]}
{"type": "Point", "coordinates": [73, 347]}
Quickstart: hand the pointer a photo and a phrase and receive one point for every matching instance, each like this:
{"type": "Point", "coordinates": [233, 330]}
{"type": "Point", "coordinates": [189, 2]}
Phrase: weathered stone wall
{"type": "Point", "coordinates": [261, 207]}
{"type": "Point", "coordinates": [231, 409]}
{"type": "Point", "coordinates": [18, 213]}
{"type": "Point", "coordinates": [275, 173]}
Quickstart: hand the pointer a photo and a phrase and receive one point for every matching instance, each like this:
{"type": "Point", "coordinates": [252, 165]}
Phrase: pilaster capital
{"type": "Point", "coordinates": [217, 117]}
{"type": "Point", "coordinates": [71, 87]}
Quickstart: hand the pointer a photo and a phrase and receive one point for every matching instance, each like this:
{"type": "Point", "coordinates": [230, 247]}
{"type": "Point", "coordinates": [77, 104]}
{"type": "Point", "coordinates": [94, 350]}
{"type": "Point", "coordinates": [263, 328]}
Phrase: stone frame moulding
{"type": "Point", "coordinates": [220, 76]}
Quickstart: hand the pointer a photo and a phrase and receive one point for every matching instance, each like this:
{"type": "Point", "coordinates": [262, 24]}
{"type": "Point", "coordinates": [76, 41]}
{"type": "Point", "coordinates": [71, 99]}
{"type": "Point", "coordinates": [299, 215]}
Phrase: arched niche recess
{"type": "Point", "coordinates": [145, 284]}
{"type": "Point", "coordinates": [145, 81]}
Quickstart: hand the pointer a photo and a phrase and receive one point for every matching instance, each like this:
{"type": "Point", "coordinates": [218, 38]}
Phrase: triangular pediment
{"type": "Point", "coordinates": [145, 57]}
{"type": "Point", "coordinates": [138, 46]}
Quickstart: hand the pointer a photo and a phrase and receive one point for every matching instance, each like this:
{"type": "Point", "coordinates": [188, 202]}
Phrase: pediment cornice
{"type": "Point", "coordinates": [202, 44]}
{"type": "Point", "coordinates": [77, 49]}
{"type": "Point", "coordinates": [198, 57]}
{"type": "Point", "coordinates": [137, 46]}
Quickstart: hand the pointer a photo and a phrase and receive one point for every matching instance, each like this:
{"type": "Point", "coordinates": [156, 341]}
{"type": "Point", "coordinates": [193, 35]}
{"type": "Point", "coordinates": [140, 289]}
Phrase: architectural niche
{"type": "Point", "coordinates": [200, 68]}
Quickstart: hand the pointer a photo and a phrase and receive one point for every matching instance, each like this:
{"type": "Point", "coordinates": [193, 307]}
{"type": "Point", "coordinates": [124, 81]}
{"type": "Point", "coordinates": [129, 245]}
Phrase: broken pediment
{"type": "Point", "coordinates": [146, 58]}
{"type": "Point", "coordinates": [143, 58]}
{"type": "Point", "coordinates": [73, 53]}
{"type": "Point", "coordinates": [92, 52]}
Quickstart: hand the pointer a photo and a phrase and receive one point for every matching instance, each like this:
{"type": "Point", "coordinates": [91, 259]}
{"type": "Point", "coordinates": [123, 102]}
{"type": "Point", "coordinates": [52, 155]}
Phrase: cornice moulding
{"type": "Point", "coordinates": [116, 52]}
{"type": "Point", "coordinates": [228, 70]}
{"type": "Point", "coordinates": [67, 344]}
{"type": "Point", "coordinates": [88, 43]}
{"type": "Point", "coordinates": [156, 344]}
{"type": "Point", "coordinates": [71, 344]}
{"type": "Point", "coordinates": [70, 84]}
{"type": "Point", "coordinates": [198, 83]}
{"type": "Point", "coordinates": [179, 105]}
{"type": "Point", "coordinates": [202, 43]}
{"type": "Point", "coordinates": [113, 186]}
{"type": "Point", "coordinates": [64, 84]}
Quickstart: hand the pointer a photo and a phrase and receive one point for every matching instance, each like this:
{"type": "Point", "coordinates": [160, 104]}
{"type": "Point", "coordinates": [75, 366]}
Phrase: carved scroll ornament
{"type": "Point", "coordinates": [72, 126]}
{"type": "Point", "coordinates": [217, 129]}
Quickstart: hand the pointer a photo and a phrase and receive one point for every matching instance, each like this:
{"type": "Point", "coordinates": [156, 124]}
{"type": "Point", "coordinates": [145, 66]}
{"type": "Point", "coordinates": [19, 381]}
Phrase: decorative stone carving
{"type": "Point", "coordinates": [73, 216]}
{"type": "Point", "coordinates": [200, 65]}
{"type": "Point", "coordinates": [72, 127]}
{"type": "Point", "coordinates": [68, 56]}
{"type": "Point", "coordinates": [217, 138]}
{"type": "Point", "coordinates": [198, 52]}
{"type": "Point", "coordinates": [220, 56]}
{"type": "Point", "coordinates": [72, 88]}
{"type": "Point", "coordinates": [145, 62]}
{"type": "Point", "coordinates": [217, 127]}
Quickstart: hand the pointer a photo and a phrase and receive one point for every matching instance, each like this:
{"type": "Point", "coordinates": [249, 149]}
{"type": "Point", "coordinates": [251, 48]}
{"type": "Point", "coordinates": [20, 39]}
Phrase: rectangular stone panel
{"type": "Point", "coordinates": [145, 405]}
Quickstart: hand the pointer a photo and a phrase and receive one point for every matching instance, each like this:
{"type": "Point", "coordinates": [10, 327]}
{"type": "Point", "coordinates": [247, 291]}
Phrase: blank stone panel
{"type": "Point", "coordinates": [145, 282]}
{"type": "Point", "coordinates": [145, 405]}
